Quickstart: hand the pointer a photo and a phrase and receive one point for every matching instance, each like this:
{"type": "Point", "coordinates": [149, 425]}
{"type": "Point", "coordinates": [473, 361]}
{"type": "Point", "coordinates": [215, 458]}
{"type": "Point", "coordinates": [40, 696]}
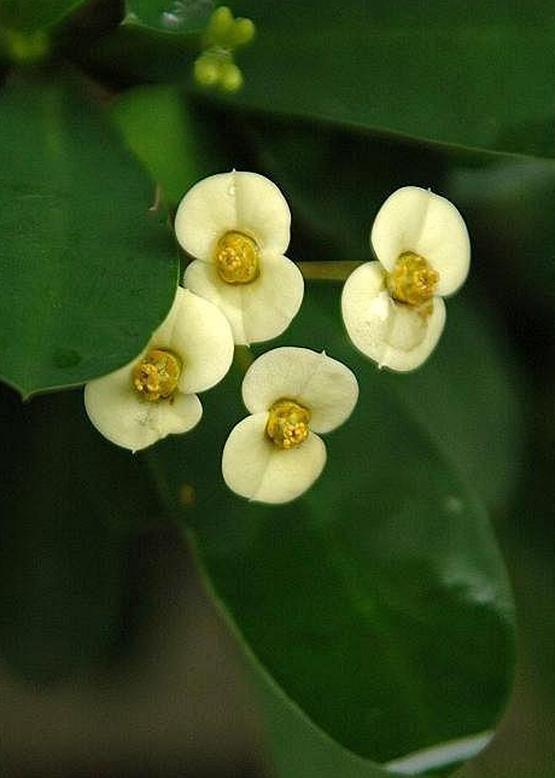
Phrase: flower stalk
{"type": "Point", "coordinates": [328, 271]}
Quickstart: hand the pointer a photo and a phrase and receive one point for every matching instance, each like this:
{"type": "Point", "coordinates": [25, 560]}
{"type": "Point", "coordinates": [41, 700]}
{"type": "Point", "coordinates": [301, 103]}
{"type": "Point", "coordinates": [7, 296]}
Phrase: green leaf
{"type": "Point", "coordinates": [468, 74]}
{"type": "Point", "coordinates": [160, 127]}
{"type": "Point", "coordinates": [378, 601]}
{"type": "Point", "coordinates": [87, 272]}
{"type": "Point", "coordinates": [298, 749]}
{"type": "Point", "coordinates": [69, 503]}
{"type": "Point", "coordinates": [469, 403]}
{"type": "Point", "coordinates": [510, 203]}
{"type": "Point", "coordinates": [30, 15]}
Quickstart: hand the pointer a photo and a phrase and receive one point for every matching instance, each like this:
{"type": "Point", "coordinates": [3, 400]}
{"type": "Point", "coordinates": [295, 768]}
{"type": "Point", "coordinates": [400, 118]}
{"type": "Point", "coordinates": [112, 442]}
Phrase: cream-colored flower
{"type": "Point", "coordinates": [236, 225]}
{"type": "Point", "coordinates": [393, 308]}
{"type": "Point", "coordinates": [155, 395]}
{"type": "Point", "coordinates": [275, 455]}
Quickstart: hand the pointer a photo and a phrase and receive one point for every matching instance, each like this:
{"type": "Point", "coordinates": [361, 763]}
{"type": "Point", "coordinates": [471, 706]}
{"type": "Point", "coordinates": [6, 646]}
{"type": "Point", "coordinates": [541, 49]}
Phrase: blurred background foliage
{"type": "Point", "coordinates": [114, 660]}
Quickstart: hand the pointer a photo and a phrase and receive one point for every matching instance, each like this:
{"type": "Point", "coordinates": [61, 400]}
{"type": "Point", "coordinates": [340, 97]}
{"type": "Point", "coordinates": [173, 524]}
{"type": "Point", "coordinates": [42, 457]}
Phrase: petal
{"type": "Point", "coordinates": [203, 280]}
{"type": "Point", "coordinates": [257, 311]}
{"type": "Point", "coordinates": [415, 219]}
{"type": "Point", "coordinates": [240, 201]}
{"type": "Point", "coordinates": [199, 333]}
{"type": "Point", "coordinates": [326, 387]}
{"type": "Point", "coordinates": [255, 468]}
{"type": "Point", "coordinates": [392, 334]}
{"type": "Point", "coordinates": [125, 419]}
{"type": "Point", "coordinates": [178, 416]}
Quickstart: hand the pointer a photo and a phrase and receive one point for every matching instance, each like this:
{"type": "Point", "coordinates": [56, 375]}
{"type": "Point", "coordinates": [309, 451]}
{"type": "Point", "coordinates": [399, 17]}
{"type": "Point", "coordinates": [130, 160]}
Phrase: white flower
{"type": "Point", "coordinates": [393, 309]}
{"type": "Point", "coordinates": [155, 395]}
{"type": "Point", "coordinates": [237, 225]}
{"type": "Point", "coordinates": [292, 393]}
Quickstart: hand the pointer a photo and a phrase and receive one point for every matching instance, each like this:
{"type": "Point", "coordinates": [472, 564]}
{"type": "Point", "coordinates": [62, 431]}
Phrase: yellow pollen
{"type": "Point", "coordinates": [237, 258]}
{"type": "Point", "coordinates": [287, 424]}
{"type": "Point", "coordinates": [412, 281]}
{"type": "Point", "coordinates": [155, 377]}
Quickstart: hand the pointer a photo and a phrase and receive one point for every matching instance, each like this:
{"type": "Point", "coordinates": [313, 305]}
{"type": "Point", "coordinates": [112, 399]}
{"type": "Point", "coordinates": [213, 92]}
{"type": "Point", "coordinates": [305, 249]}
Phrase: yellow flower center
{"type": "Point", "coordinates": [287, 424]}
{"type": "Point", "coordinates": [155, 377]}
{"type": "Point", "coordinates": [237, 258]}
{"type": "Point", "coordinates": [412, 281]}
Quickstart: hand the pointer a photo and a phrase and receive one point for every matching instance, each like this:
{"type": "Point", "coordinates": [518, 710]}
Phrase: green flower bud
{"type": "Point", "coordinates": [207, 71]}
{"type": "Point", "coordinates": [243, 32]}
{"type": "Point", "coordinates": [231, 78]}
{"type": "Point", "coordinates": [220, 26]}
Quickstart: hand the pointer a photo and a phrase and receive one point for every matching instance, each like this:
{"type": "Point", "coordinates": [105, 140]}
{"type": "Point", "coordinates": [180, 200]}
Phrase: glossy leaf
{"type": "Point", "coordinates": [468, 398]}
{"type": "Point", "coordinates": [299, 749]}
{"type": "Point", "coordinates": [88, 272]}
{"type": "Point", "coordinates": [69, 502]}
{"type": "Point", "coordinates": [29, 15]}
{"type": "Point", "coordinates": [470, 74]}
{"type": "Point", "coordinates": [378, 601]}
{"type": "Point", "coordinates": [510, 203]}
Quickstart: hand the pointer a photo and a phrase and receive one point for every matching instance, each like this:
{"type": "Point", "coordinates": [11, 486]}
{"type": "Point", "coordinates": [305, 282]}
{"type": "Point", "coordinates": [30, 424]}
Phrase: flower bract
{"type": "Point", "coordinates": [293, 394]}
{"type": "Point", "coordinates": [155, 395]}
{"type": "Point", "coordinates": [393, 308]}
{"type": "Point", "coordinates": [236, 225]}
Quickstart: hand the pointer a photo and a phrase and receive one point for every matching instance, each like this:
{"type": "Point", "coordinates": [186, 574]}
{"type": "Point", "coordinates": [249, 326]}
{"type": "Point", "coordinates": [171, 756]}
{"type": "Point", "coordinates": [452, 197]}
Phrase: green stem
{"type": "Point", "coordinates": [328, 271]}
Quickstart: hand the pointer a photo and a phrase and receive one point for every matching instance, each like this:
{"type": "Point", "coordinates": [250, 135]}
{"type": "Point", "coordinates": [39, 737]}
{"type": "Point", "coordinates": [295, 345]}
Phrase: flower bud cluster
{"type": "Point", "coordinates": [216, 67]}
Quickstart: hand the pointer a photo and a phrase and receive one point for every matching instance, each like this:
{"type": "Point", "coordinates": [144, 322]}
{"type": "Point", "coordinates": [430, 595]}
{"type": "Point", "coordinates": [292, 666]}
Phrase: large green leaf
{"type": "Point", "coordinates": [467, 396]}
{"type": "Point", "coordinates": [87, 272]}
{"type": "Point", "coordinates": [472, 74]}
{"type": "Point", "coordinates": [69, 503]}
{"type": "Point", "coordinates": [377, 601]}
{"type": "Point", "coordinates": [510, 203]}
{"type": "Point", "coordinates": [299, 749]}
{"type": "Point", "coordinates": [29, 15]}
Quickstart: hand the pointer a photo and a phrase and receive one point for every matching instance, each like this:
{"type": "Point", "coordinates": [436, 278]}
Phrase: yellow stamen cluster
{"type": "Point", "coordinates": [412, 281]}
{"type": "Point", "coordinates": [155, 377]}
{"type": "Point", "coordinates": [287, 424]}
{"type": "Point", "coordinates": [237, 258]}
